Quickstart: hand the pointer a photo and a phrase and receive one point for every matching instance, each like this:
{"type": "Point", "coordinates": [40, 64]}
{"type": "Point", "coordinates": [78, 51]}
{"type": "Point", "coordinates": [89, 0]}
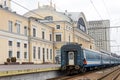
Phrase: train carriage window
{"type": "Point", "coordinates": [71, 55]}
{"type": "Point", "coordinates": [92, 55]}
{"type": "Point", "coordinates": [89, 55]}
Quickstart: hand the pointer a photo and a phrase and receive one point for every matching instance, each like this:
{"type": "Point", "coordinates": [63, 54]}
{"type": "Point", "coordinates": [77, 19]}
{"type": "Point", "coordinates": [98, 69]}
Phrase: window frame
{"type": "Point", "coordinates": [47, 53]}
{"type": "Point", "coordinates": [25, 55]}
{"type": "Point", "coordinates": [58, 27]}
{"type": "Point", "coordinates": [10, 26]}
{"type": "Point", "coordinates": [18, 25]}
{"type": "Point", "coordinates": [50, 37]}
{"type": "Point", "coordinates": [25, 45]}
{"type": "Point", "coordinates": [10, 43]}
{"type": "Point", "coordinates": [51, 55]}
{"type": "Point", "coordinates": [60, 37]}
{"type": "Point", "coordinates": [18, 54]}
{"type": "Point", "coordinates": [18, 44]}
{"type": "Point", "coordinates": [10, 54]}
{"type": "Point", "coordinates": [43, 34]}
{"type": "Point", "coordinates": [25, 31]}
{"type": "Point", "coordinates": [34, 32]}
{"type": "Point", "coordinates": [34, 52]}
{"type": "Point", "coordinates": [39, 53]}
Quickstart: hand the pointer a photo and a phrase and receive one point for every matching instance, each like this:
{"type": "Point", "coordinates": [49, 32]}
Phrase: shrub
{"type": "Point", "coordinates": [8, 59]}
{"type": "Point", "coordinates": [13, 59]}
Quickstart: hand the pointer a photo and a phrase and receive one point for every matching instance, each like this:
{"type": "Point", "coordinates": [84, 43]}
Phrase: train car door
{"type": "Point", "coordinates": [70, 58]}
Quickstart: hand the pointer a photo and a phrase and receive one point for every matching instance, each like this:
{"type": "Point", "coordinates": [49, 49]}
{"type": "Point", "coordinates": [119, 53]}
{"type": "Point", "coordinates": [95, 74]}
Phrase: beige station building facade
{"type": "Point", "coordinates": [38, 35]}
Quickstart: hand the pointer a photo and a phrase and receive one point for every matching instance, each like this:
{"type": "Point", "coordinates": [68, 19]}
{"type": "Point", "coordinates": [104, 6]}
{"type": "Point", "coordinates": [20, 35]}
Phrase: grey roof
{"type": "Point", "coordinates": [73, 15]}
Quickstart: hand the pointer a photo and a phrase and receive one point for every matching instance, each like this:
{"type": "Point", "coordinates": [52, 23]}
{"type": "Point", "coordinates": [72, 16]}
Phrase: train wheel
{"type": "Point", "coordinates": [83, 70]}
{"type": "Point", "coordinates": [68, 72]}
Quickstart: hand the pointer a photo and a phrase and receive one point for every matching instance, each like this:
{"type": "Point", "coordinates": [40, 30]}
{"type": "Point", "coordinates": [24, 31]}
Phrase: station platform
{"type": "Point", "coordinates": [10, 70]}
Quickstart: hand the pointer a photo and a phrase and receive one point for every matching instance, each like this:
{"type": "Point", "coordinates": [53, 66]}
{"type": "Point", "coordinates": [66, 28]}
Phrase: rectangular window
{"type": "Point", "coordinates": [47, 54]}
{"type": "Point", "coordinates": [57, 26]}
{"type": "Point", "coordinates": [38, 52]}
{"type": "Point", "coordinates": [58, 37]}
{"type": "Point", "coordinates": [43, 54]}
{"type": "Point", "coordinates": [58, 52]}
{"type": "Point", "coordinates": [18, 54]}
{"type": "Point", "coordinates": [50, 53]}
{"type": "Point", "coordinates": [10, 54]}
{"type": "Point", "coordinates": [25, 55]}
{"type": "Point", "coordinates": [34, 32]}
{"type": "Point", "coordinates": [34, 52]}
{"type": "Point", "coordinates": [50, 37]}
{"type": "Point", "coordinates": [25, 31]}
{"type": "Point", "coordinates": [10, 26]}
{"type": "Point", "coordinates": [18, 44]}
{"type": "Point", "coordinates": [43, 35]}
{"type": "Point", "coordinates": [25, 45]}
{"type": "Point", "coordinates": [10, 43]}
{"type": "Point", "coordinates": [5, 3]}
{"type": "Point", "coordinates": [18, 27]}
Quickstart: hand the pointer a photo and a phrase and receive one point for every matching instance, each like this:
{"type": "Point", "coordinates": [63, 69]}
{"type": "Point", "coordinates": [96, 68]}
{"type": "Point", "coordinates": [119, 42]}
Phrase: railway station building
{"type": "Point", "coordinates": [38, 38]}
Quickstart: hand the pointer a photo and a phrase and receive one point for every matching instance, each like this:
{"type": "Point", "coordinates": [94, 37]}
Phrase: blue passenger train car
{"type": "Point", "coordinates": [76, 58]}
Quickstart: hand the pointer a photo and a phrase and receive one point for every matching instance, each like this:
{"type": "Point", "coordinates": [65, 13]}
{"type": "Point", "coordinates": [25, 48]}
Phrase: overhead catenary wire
{"type": "Point", "coordinates": [48, 0]}
{"type": "Point", "coordinates": [104, 25]}
{"type": "Point", "coordinates": [95, 9]}
{"type": "Point", "coordinates": [106, 9]}
{"type": "Point", "coordinates": [97, 12]}
{"type": "Point", "coordinates": [25, 8]}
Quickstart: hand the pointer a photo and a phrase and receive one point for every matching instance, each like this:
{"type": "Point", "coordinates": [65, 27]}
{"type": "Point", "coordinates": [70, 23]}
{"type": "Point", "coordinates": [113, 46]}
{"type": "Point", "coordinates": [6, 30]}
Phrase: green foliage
{"type": "Point", "coordinates": [13, 59]}
{"type": "Point", "coordinates": [8, 59]}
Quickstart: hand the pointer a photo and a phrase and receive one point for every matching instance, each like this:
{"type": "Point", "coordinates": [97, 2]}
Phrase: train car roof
{"type": "Point", "coordinates": [100, 52]}
{"type": "Point", "coordinates": [91, 50]}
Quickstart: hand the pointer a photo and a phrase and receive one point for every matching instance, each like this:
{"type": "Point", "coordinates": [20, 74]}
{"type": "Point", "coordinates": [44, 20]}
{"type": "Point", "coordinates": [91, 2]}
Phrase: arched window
{"type": "Point", "coordinates": [81, 24]}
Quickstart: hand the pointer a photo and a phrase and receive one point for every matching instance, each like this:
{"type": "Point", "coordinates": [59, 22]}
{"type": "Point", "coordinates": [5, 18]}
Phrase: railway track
{"type": "Point", "coordinates": [66, 77]}
{"type": "Point", "coordinates": [113, 75]}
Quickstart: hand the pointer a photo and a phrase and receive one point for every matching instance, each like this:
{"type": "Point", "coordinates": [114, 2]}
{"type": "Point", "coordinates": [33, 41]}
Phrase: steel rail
{"type": "Point", "coordinates": [116, 76]}
{"type": "Point", "coordinates": [112, 72]}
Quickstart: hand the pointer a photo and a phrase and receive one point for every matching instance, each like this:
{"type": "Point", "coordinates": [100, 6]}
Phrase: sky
{"type": "Point", "coordinates": [93, 10]}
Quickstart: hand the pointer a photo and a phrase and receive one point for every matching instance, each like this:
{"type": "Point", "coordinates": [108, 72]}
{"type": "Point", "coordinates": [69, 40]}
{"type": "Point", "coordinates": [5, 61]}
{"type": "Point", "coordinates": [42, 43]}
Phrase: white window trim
{"type": "Point", "coordinates": [18, 22]}
{"type": "Point", "coordinates": [10, 26]}
{"type": "Point", "coordinates": [25, 31]}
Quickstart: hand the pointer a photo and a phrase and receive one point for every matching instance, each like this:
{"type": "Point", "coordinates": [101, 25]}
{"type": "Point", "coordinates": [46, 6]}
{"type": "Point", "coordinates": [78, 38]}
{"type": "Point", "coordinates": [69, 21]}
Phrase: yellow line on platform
{"type": "Point", "coordinates": [17, 72]}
